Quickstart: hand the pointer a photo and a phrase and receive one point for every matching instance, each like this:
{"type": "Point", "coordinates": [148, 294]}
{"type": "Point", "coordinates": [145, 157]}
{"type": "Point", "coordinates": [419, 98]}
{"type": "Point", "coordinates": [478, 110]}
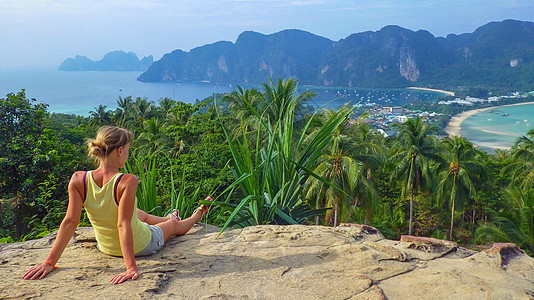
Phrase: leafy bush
{"type": "Point", "coordinates": [271, 176]}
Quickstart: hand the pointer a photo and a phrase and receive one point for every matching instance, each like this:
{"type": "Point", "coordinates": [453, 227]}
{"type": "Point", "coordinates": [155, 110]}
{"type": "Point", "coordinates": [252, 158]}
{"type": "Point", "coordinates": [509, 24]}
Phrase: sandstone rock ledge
{"type": "Point", "coordinates": [276, 262]}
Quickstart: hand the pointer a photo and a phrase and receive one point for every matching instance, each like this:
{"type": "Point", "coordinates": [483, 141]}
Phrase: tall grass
{"type": "Point", "coordinates": [185, 203]}
{"type": "Point", "coordinates": [180, 201]}
{"type": "Point", "coordinates": [271, 177]}
{"type": "Point", "coordinates": [146, 191]}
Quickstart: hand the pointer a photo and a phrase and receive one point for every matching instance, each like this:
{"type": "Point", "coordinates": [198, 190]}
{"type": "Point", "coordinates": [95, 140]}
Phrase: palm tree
{"type": "Point", "coordinates": [242, 104]}
{"type": "Point", "coordinates": [344, 173]}
{"type": "Point", "coordinates": [515, 223]}
{"type": "Point", "coordinates": [414, 149]}
{"type": "Point", "coordinates": [367, 146]}
{"type": "Point", "coordinates": [522, 169]}
{"type": "Point", "coordinates": [276, 99]}
{"type": "Point", "coordinates": [261, 109]}
{"type": "Point", "coordinates": [123, 111]}
{"type": "Point", "coordinates": [500, 154]}
{"type": "Point", "coordinates": [100, 116]}
{"type": "Point", "coordinates": [179, 114]}
{"type": "Point", "coordinates": [270, 105]}
{"type": "Point", "coordinates": [151, 139]}
{"type": "Point", "coordinates": [455, 184]}
{"type": "Point", "coordinates": [142, 111]}
{"type": "Point", "coordinates": [340, 136]}
{"type": "Point", "coordinates": [165, 105]}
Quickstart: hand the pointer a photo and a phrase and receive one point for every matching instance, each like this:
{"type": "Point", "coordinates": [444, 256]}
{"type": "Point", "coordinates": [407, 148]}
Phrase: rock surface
{"type": "Point", "coordinates": [275, 262]}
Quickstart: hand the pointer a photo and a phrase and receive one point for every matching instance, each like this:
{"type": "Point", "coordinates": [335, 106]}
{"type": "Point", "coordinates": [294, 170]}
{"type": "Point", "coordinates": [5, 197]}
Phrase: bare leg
{"type": "Point", "coordinates": [175, 214]}
{"type": "Point", "coordinates": [150, 219]}
{"type": "Point", "coordinates": [172, 227]}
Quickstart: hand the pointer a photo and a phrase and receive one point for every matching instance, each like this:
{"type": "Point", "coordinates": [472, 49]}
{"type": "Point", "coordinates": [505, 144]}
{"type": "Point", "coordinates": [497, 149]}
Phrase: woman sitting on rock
{"type": "Point", "coordinates": [121, 229]}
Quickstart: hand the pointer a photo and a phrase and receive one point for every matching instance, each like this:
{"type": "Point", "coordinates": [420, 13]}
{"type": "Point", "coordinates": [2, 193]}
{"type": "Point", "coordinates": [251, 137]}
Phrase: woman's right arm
{"type": "Point", "coordinates": [66, 229]}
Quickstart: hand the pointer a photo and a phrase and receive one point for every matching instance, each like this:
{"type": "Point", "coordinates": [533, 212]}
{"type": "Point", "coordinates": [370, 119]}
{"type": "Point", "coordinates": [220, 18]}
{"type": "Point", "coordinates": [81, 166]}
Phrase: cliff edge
{"type": "Point", "coordinates": [275, 262]}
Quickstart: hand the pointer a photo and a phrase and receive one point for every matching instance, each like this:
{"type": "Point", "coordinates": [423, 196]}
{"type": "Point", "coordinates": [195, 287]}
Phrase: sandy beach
{"type": "Point", "coordinates": [454, 126]}
{"type": "Point", "coordinates": [431, 90]}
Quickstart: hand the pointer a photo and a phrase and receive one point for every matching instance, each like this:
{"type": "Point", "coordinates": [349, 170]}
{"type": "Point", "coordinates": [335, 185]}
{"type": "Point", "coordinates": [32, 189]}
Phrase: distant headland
{"type": "Point", "coordinates": [112, 61]}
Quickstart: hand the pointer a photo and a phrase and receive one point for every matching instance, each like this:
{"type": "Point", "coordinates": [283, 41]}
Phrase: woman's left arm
{"type": "Point", "coordinates": [127, 190]}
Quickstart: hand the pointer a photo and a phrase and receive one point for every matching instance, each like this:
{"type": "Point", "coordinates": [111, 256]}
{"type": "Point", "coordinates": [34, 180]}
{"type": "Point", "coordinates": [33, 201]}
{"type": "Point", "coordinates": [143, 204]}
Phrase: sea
{"type": "Point", "coordinates": [81, 92]}
{"type": "Point", "coordinates": [498, 128]}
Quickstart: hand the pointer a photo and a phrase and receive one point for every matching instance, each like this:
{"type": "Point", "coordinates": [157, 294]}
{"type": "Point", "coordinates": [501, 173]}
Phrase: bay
{"type": "Point", "coordinates": [80, 92]}
{"type": "Point", "coordinates": [499, 127]}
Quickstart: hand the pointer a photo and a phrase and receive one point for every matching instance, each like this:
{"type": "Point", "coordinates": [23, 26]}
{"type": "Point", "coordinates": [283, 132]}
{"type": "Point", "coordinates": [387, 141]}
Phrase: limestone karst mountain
{"type": "Point", "coordinates": [498, 54]}
{"type": "Point", "coordinates": [112, 61]}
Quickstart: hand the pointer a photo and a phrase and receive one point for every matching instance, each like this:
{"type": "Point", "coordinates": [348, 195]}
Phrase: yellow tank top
{"type": "Point", "coordinates": [103, 212]}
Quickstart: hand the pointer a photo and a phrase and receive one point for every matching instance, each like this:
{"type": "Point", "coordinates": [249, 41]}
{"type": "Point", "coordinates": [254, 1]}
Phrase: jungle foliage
{"type": "Point", "coordinates": [267, 160]}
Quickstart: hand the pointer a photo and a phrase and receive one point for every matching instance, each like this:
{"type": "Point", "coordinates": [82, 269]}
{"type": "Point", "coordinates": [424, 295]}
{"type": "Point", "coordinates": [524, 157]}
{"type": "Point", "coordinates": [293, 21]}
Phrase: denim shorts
{"type": "Point", "coordinates": [156, 241]}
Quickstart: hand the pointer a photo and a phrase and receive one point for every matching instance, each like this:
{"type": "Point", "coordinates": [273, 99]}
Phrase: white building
{"type": "Point", "coordinates": [401, 119]}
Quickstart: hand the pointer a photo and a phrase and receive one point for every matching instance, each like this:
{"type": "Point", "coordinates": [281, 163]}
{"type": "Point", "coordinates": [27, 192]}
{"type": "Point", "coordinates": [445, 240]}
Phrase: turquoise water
{"type": "Point", "coordinates": [499, 127]}
{"type": "Point", "coordinates": [80, 92]}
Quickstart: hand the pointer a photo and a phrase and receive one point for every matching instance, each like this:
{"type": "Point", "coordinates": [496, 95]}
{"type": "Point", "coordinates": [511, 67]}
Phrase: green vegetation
{"type": "Point", "coordinates": [271, 177]}
{"type": "Point", "coordinates": [36, 162]}
{"type": "Point", "coordinates": [267, 160]}
{"type": "Point", "coordinates": [413, 153]}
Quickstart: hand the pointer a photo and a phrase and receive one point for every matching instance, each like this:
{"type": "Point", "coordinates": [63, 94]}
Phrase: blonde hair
{"type": "Point", "coordinates": [108, 138]}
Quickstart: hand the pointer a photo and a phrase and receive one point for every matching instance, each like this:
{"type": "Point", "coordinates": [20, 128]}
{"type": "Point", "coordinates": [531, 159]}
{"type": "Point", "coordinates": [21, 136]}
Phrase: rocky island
{"type": "Point", "coordinates": [276, 262]}
{"type": "Point", "coordinates": [112, 61]}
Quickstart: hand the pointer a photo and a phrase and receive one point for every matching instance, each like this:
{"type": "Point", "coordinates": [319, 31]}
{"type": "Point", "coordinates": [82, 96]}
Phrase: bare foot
{"type": "Point", "coordinates": [175, 215]}
{"type": "Point", "coordinates": [204, 208]}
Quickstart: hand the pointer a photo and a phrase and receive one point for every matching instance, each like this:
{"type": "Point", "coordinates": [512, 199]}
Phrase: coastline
{"type": "Point", "coordinates": [454, 127]}
{"type": "Point", "coordinates": [431, 90]}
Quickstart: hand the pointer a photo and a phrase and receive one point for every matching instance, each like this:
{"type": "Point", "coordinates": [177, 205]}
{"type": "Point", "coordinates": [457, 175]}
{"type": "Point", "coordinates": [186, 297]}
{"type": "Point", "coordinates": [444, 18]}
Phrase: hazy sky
{"type": "Point", "coordinates": [42, 33]}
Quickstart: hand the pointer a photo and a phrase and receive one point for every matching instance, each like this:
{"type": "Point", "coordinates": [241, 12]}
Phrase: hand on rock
{"type": "Point", "coordinates": [122, 277]}
{"type": "Point", "coordinates": [38, 271]}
